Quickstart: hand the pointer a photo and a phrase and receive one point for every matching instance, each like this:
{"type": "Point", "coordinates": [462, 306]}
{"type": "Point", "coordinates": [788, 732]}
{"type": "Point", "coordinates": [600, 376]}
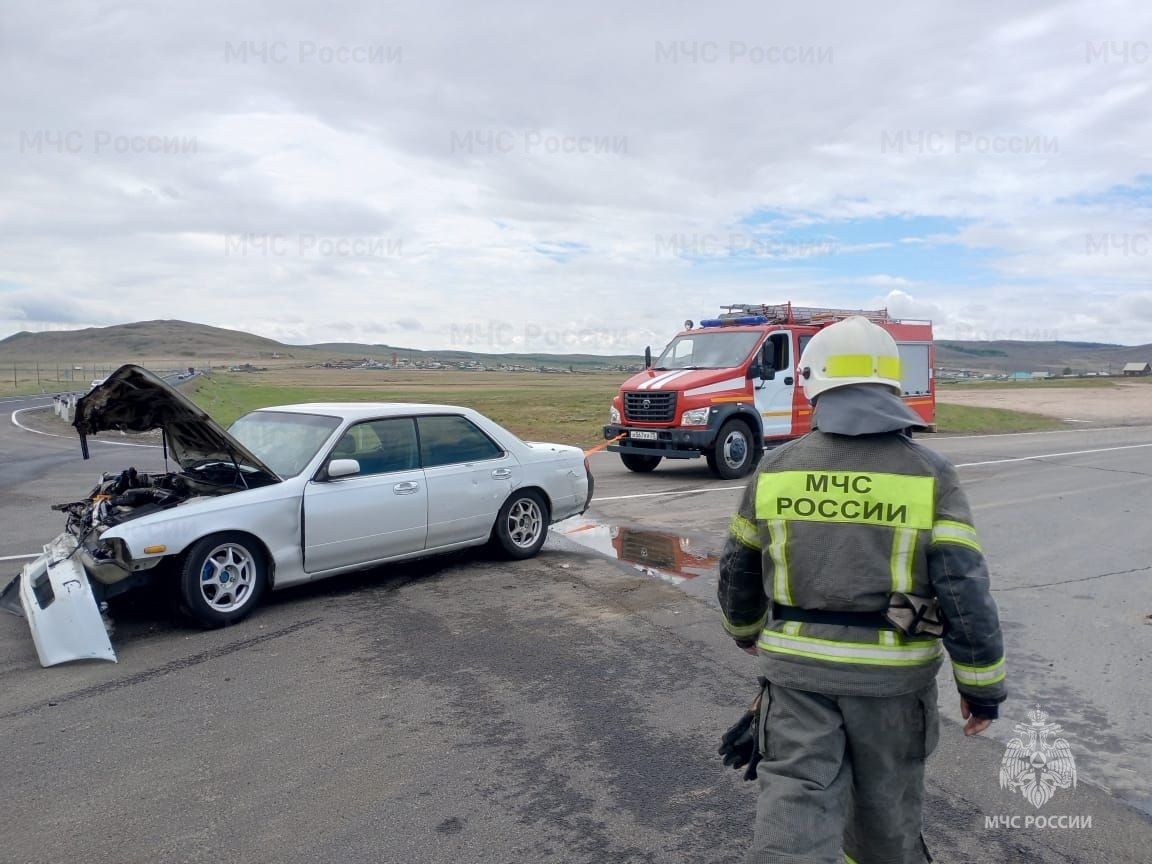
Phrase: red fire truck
{"type": "Point", "coordinates": [728, 388]}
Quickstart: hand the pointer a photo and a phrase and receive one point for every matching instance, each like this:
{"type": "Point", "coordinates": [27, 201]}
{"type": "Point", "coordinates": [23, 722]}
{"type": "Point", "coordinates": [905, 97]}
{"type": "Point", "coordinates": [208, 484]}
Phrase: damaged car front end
{"type": "Point", "coordinates": [61, 593]}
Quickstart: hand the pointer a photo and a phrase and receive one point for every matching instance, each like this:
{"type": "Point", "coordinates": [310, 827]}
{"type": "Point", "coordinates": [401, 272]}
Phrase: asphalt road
{"type": "Point", "coordinates": [563, 709]}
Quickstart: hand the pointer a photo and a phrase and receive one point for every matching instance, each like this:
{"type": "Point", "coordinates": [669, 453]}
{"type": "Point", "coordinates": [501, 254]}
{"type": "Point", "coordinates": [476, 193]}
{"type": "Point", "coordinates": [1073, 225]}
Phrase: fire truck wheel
{"type": "Point", "coordinates": [639, 464]}
{"type": "Point", "coordinates": [735, 453]}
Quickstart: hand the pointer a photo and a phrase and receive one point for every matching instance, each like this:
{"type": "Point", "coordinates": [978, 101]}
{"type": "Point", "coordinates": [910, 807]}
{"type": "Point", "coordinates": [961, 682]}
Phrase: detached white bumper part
{"type": "Point", "coordinates": [61, 610]}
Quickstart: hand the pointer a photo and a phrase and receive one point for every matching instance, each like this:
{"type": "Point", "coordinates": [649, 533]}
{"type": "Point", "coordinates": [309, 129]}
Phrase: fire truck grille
{"type": "Point", "coordinates": [645, 407]}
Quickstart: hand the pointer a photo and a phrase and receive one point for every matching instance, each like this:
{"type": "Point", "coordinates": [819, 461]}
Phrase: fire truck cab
{"type": "Point", "coordinates": [729, 388]}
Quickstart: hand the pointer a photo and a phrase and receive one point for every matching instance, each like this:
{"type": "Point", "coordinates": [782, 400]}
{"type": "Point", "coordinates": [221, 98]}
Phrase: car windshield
{"type": "Point", "coordinates": [284, 441]}
{"type": "Point", "coordinates": [708, 350]}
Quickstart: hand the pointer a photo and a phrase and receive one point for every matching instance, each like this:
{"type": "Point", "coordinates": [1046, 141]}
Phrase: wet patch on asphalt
{"type": "Point", "coordinates": [669, 556]}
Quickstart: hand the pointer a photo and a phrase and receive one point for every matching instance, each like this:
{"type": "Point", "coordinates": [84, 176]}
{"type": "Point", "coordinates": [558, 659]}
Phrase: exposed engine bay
{"type": "Point", "coordinates": [132, 494]}
{"type": "Point", "coordinates": [119, 498]}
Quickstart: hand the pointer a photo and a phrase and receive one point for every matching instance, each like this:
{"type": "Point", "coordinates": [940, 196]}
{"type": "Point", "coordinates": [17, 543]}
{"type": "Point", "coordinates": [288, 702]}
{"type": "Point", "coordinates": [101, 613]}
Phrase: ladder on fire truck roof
{"type": "Point", "coordinates": [786, 313]}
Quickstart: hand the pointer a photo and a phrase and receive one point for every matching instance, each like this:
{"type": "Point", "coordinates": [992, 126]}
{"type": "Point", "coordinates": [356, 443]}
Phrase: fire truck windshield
{"type": "Point", "coordinates": [709, 350]}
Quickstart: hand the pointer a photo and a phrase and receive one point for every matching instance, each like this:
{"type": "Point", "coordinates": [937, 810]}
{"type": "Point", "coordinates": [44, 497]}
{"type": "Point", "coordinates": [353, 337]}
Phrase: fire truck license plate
{"type": "Point", "coordinates": [644, 436]}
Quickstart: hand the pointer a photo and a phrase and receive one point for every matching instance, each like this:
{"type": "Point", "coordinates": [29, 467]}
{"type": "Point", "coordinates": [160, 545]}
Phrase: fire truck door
{"type": "Point", "coordinates": [775, 387]}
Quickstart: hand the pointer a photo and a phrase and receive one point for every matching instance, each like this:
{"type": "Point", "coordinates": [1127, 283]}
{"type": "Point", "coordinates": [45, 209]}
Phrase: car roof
{"type": "Point", "coordinates": [364, 410]}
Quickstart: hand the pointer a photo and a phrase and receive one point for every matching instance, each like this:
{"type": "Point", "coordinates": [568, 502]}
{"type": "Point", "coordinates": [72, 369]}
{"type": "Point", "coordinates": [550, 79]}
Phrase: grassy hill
{"type": "Point", "coordinates": [1006, 356]}
{"type": "Point", "coordinates": [184, 343]}
{"type": "Point", "coordinates": [142, 339]}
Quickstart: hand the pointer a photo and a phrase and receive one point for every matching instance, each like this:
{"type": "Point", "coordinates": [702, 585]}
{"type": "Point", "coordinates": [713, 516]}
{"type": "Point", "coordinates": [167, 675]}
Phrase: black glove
{"type": "Point", "coordinates": [984, 710]}
{"type": "Point", "coordinates": [739, 747]}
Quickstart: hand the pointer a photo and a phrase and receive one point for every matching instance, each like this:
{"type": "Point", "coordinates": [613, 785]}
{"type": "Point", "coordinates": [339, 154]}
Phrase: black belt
{"type": "Point", "coordinates": [875, 620]}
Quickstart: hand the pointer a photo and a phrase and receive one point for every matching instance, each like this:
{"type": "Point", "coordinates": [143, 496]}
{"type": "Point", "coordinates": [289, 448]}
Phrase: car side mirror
{"type": "Point", "coordinates": [338, 468]}
{"type": "Point", "coordinates": [755, 371]}
{"type": "Point", "coordinates": [648, 357]}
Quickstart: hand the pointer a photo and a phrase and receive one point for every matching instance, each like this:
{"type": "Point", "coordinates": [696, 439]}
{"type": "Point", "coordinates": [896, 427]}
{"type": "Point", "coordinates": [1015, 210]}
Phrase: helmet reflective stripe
{"type": "Point", "coordinates": [979, 676]}
{"type": "Point", "coordinates": [862, 366]}
{"type": "Point", "coordinates": [857, 653]}
{"type": "Point", "coordinates": [852, 351]}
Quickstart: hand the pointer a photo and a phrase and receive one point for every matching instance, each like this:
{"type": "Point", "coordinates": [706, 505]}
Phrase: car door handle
{"type": "Point", "coordinates": [789, 381]}
{"type": "Point", "coordinates": [501, 473]}
{"type": "Point", "coordinates": [405, 488]}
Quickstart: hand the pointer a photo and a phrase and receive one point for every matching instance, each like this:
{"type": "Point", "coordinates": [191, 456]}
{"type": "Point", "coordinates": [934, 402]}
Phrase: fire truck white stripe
{"type": "Point", "coordinates": [660, 380]}
{"type": "Point", "coordinates": [658, 383]}
{"type": "Point", "coordinates": [718, 387]}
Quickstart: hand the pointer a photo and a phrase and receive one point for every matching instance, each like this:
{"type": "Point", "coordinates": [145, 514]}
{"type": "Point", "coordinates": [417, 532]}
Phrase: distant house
{"type": "Point", "coordinates": [1134, 369]}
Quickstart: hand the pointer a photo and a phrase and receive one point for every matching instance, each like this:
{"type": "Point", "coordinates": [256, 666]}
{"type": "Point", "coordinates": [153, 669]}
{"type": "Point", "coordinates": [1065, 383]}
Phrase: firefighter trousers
{"type": "Point", "coordinates": [842, 777]}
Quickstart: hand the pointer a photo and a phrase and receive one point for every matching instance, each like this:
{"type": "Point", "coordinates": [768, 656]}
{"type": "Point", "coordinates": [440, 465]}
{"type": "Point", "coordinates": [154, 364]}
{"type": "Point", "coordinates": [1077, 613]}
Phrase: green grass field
{"type": "Point", "coordinates": [568, 409]}
{"type": "Point", "coordinates": [972, 420]}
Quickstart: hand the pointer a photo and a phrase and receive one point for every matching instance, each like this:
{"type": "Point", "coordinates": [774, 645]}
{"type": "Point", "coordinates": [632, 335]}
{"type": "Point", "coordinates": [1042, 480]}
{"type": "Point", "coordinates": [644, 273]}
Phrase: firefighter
{"type": "Point", "coordinates": [852, 564]}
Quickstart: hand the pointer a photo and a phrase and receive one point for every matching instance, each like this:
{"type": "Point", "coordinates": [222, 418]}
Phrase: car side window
{"type": "Point", "coordinates": [380, 446]}
{"type": "Point", "coordinates": [451, 439]}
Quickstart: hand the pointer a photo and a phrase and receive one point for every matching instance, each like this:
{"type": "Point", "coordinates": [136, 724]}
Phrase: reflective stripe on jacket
{"type": "Point", "coordinates": [837, 522]}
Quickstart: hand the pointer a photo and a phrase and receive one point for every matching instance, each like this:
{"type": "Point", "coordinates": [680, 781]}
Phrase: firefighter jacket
{"type": "Point", "coordinates": [839, 521]}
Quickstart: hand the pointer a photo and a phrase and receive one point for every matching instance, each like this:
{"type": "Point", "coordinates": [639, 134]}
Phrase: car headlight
{"type": "Point", "coordinates": [695, 417]}
{"type": "Point", "coordinates": [613, 414]}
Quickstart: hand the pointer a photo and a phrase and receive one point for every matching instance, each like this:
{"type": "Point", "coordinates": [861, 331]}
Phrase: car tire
{"type": "Point", "coordinates": [639, 463]}
{"type": "Point", "coordinates": [734, 454]}
{"type": "Point", "coordinates": [522, 525]}
{"type": "Point", "coordinates": [221, 579]}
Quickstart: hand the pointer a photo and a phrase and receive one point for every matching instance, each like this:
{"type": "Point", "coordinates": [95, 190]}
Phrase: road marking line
{"type": "Point", "coordinates": [16, 557]}
{"type": "Point", "coordinates": [676, 492]}
{"type": "Point", "coordinates": [1016, 502]}
{"type": "Point", "coordinates": [928, 439]}
{"type": "Point", "coordinates": [962, 465]}
{"type": "Point", "coordinates": [1018, 434]}
{"type": "Point", "coordinates": [69, 437]}
{"type": "Point", "coordinates": [1053, 455]}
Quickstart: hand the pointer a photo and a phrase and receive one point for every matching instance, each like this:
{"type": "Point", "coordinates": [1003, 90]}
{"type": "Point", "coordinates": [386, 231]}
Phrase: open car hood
{"type": "Point", "coordinates": [132, 399]}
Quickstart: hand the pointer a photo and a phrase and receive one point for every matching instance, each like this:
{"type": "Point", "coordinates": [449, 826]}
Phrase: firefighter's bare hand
{"type": "Point", "coordinates": [975, 725]}
{"type": "Point", "coordinates": [751, 649]}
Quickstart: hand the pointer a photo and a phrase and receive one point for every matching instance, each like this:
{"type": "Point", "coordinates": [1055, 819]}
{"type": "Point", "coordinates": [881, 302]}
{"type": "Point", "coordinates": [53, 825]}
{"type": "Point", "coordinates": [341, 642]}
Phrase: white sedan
{"type": "Point", "coordinates": [286, 495]}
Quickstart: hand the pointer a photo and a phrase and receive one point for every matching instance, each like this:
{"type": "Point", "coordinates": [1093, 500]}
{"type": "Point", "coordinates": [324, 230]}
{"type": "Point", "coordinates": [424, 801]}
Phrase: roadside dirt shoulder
{"type": "Point", "coordinates": [1122, 405]}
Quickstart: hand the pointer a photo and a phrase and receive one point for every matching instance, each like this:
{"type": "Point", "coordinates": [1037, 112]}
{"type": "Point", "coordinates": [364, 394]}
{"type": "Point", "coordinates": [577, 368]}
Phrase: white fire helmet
{"type": "Point", "coordinates": [852, 351]}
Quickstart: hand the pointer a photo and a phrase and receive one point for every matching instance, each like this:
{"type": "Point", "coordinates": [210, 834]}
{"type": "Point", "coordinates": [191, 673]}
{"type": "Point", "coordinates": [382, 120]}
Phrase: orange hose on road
{"type": "Point", "coordinates": [600, 447]}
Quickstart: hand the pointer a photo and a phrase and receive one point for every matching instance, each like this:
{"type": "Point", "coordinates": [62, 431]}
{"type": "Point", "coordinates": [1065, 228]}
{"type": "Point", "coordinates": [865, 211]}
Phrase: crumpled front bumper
{"type": "Point", "coordinates": [53, 594]}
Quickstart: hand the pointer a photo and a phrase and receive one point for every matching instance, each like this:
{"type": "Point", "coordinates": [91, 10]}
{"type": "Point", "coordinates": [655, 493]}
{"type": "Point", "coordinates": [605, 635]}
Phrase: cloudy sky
{"type": "Point", "coordinates": [574, 176]}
